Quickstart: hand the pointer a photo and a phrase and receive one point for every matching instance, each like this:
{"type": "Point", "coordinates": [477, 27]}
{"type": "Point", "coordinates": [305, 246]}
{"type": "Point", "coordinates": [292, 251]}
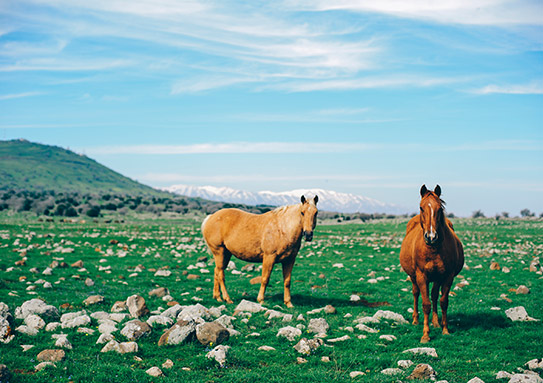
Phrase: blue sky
{"type": "Point", "coordinates": [372, 98]}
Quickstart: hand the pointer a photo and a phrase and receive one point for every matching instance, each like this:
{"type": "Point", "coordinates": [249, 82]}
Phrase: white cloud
{"type": "Point", "coordinates": [531, 88]}
{"type": "Point", "coordinates": [19, 95]}
{"type": "Point", "coordinates": [475, 12]}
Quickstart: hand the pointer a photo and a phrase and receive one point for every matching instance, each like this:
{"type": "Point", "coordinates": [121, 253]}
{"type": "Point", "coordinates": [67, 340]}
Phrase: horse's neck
{"type": "Point", "coordinates": [290, 221]}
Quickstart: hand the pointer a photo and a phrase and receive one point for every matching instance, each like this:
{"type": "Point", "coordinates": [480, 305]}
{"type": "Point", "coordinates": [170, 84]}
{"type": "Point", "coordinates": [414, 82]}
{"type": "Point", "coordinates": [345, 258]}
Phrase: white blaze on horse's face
{"type": "Point", "coordinates": [431, 214]}
{"type": "Point", "coordinates": [309, 217]}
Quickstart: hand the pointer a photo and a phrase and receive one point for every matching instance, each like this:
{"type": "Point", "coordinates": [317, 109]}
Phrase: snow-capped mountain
{"type": "Point", "coordinates": [328, 200]}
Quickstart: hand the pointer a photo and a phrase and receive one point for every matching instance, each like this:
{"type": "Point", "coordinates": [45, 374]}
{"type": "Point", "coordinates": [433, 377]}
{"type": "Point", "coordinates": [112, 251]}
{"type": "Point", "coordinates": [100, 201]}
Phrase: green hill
{"type": "Point", "coordinates": [29, 166]}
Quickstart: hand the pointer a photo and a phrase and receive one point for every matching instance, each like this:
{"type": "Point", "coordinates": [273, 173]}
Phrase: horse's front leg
{"type": "Point", "coordinates": [288, 265]}
{"type": "Point", "coordinates": [422, 282]}
{"type": "Point", "coordinates": [267, 266]}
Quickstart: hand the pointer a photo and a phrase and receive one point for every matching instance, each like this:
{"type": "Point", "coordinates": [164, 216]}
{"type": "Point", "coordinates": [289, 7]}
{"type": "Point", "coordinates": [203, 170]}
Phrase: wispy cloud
{"type": "Point", "coordinates": [19, 95]}
{"type": "Point", "coordinates": [531, 88]}
{"type": "Point", "coordinates": [475, 12]}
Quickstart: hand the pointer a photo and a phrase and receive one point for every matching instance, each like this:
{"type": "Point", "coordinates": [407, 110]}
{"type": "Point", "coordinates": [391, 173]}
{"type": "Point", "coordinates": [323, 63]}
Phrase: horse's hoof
{"type": "Point", "coordinates": [229, 301]}
{"type": "Point", "coordinates": [289, 305]}
{"type": "Point", "coordinates": [425, 339]}
{"type": "Point", "coordinates": [415, 321]}
{"type": "Point", "coordinates": [446, 332]}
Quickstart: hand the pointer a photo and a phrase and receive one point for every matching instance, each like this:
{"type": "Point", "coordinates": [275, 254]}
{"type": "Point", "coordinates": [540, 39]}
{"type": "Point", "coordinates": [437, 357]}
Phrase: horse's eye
{"type": "Point", "coordinates": [302, 213]}
{"type": "Point", "coordinates": [422, 210]}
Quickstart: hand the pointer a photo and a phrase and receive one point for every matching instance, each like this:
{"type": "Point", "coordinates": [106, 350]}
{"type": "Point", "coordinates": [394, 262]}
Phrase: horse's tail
{"type": "Point", "coordinates": [204, 222]}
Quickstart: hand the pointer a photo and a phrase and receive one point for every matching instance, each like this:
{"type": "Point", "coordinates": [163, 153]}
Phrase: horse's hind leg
{"type": "Point", "coordinates": [222, 257]}
{"type": "Point", "coordinates": [435, 295]}
{"type": "Point", "coordinates": [444, 301]}
{"type": "Point", "coordinates": [426, 305]}
{"type": "Point", "coordinates": [416, 292]}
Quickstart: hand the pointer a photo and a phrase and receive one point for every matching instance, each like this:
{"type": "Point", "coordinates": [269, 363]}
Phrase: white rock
{"type": "Point", "coordinates": [266, 348]}
{"type": "Point", "coordinates": [100, 315]}
{"type": "Point", "coordinates": [248, 306]}
{"type": "Point", "coordinates": [405, 363]}
{"type": "Point", "coordinates": [423, 350]}
{"type": "Point", "coordinates": [318, 325]}
{"type": "Point", "coordinates": [354, 298]}
{"type": "Point", "coordinates": [219, 354]}
{"type": "Point", "coordinates": [35, 322]}
{"type": "Point", "coordinates": [38, 307]}
{"type": "Point", "coordinates": [195, 313]}
{"type": "Point", "coordinates": [526, 378]}
{"type": "Point", "coordinates": [391, 371]}
{"type": "Point", "coordinates": [363, 327]}
{"type": "Point", "coordinates": [389, 338]}
{"type": "Point", "coordinates": [356, 374]}
{"type": "Point", "coordinates": [503, 375]}
{"type": "Point", "coordinates": [62, 341]}
{"type": "Point", "coordinates": [163, 273]}
{"type": "Point", "coordinates": [534, 363]}
{"type": "Point", "coordinates": [118, 317]}
{"type": "Point", "coordinates": [340, 339]}
{"type": "Point", "coordinates": [518, 314]}
{"type": "Point", "coordinates": [79, 321]}
{"type": "Point", "coordinates": [289, 332]}
{"type": "Point", "coordinates": [42, 365]}
{"type": "Point", "coordinates": [105, 338]}
{"type": "Point", "coordinates": [31, 331]}
{"type": "Point", "coordinates": [172, 312]}
{"type": "Point", "coordinates": [159, 319]}
{"type": "Point", "coordinates": [53, 326]}
{"type": "Point", "coordinates": [385, 314]}
{"type": "Point", "coordinates": [476, 380]}
{"type": "Point", "coordinates": [154, 371]}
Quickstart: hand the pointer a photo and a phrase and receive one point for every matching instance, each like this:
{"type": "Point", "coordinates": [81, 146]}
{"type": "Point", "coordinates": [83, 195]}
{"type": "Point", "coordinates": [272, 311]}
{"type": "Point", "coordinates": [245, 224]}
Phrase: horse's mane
{"type": "Point", "coordinates": [441, 202]}
{"type": "Point", "coordinates": [281, 209]}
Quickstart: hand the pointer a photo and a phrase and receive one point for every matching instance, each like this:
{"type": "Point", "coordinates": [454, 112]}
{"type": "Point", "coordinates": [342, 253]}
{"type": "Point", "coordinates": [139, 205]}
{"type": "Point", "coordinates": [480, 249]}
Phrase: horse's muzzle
{"type": "Point", "coordinates": [308, 235]}
{"type": "Point", "coordinates": [431, 240]}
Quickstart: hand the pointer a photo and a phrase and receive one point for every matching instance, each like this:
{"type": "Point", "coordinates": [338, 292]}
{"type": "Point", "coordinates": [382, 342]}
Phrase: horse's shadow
{"type": "Point", "coordinates": [317, 302]}
{"type": "Point", "coordinates": [482, 320]}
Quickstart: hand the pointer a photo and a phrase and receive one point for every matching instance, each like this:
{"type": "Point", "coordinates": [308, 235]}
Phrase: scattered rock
{"type": "Point", "coordinates": [219, 354]}
{"type": "Point", "coordinates": [266, 348]}
{"type": "Point", "coordinates": [494, 266]}
{"type": "Point", "coordinates": [356, 374]}
{"type": "Point", "coordinates": [196, 313]}
{"type": "Point", "coordinates": [405, 363]}
{"type": "Point", "coordinates": [178, 333]}
{"type": "Point", "coordinates": [318, 325]}
{"type": "Point", "coordinates": [135, 329]}
{"type": "Point", "coordinates": [53, 326]}
{"type": "Point", "coordinates": [51, 356]}
{"type": "Point", "coordinates": [391, 371]}
{"type": "Point", "coordinates": [525, 378]}
{"type": "Point", "coordinates": [523, 290]}
{"type": "Point", "coordinates": [306, 346]}
{"type": "Point", "coordinates": [476, 380]}
{"type": "Point", "coordinates": [340, 339]}
{"type": "Point", "coordinates": [167, 364]}
{"type": "Point", "coordinates": [248, 306]}
{"type": "Point", "coordinates": [211, 333]}
{"type": "Point", "coordinates": [289, 332]}
{"type": "Point", "coordinates": [121, 348]}
{"type": "Point", "coordinates": [154, 371]}
{"type": "Point", "coordinates": [136, 306]}
{"type": "Point", "coordinates": [389, 338]}
{"type": "Point", "coordinates": [172, 312]}
{"type": "Point", "coordinates": [385, 314]}
{"type": "Point", "coordinates": [30, 331]}
{"type": "Point", "coordinates": [518, 314]}
{"type": "Point", "coordinates": [89, 282]}
{"type": "Point", "coordinates": [35, 321]}
{"type": "Point", "coordinates": [163, 273]}
{"type": "Point", "coordinates": [77, 265]}
{"type": "Point", "coordinates": [38, 307]}
{"type": "Point", "coordinates": [423, 350]}
{"type": "Point", "coordinates": [363, 327]}
{"type": "Point", "coordinates": [325, 359]}
{"type": "Point", "coordinates": [62, 341]}
{"type": "Point", "coordinates": [300, 360]}
{"type": "Point", "coordinates": [256, 280]}
{"type": "Point", "coordinates": [159, 319]}
{"type": "Point", "coordinates": [423, 371]}
{"type": "Point", "coordinates": [42, 365]}
{"type": "Point", "coordinates": [329, 309]}
{"type": "Point", "coordinates": [118, 307]}
{"type": "Point", "coordinates": [159, 292]}
{"type": "Point", "coordinates": [534, 363]}
{"type": "Point", "coordinates": [93, 299]}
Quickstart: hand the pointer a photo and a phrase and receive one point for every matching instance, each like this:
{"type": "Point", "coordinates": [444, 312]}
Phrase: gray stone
{"type": "Point", "coordinates": [154, 371]}
{"type": "Point", "coordinates": [503, 375]}
{"type": "Point", "coordinates": [51, 356]}
{"type": "Point", "coordinates": [476, 380]}
{"type": "Point", "coordinates": [77, 321]}
{"type": "Point", "coordinates": [121, 348]}
{"type": "Point", "coordinates": [422, 351]}
{"type": "Point", "coordinates": [289, 332]}
{"type": "Point", "coordinates": [178, 333]}
{"type": "Point", "coordinates": [525, 378]}
{"type": "Point", "coordinates": [118, 307]}
{"type": "Point", "coordinates": [211, 333]}
{"type": "Point", "coordinates": [160, 320]}
{"type": "Point", "coordinates": [248, 306]}
{"type": "Point", "coordinates": [42, 365]}
{"type": "Point", "coordinates": [100, 315]}
{"type": "Point", "coordinates": [389, 315]}
{"type": "Point", "coordinates": [62, 341]}
{"type": "Point", "coordinates": [107, 328]}
{"type": "Point", "coordinates": [167, 364]}
{"type": "Point", "coordinates": [391, 371]}
{"type": "Point", "coordinates": [159, 292]}
{"type": "Point", "coordinates": [135, 329]}
{"type": "Point", "coordinates": [266, 348]}
{"type": "Point", "coordinates": [225, 320]}
{"type": "Point", "coordinates": [534, 363]}
{"type": "Point", "coordinates": [423, 371]}
{"type": "Point", "coordinates": [105, 338]}
{"type": "Point", "coordinates": [405, 363]}
{"type": "Point", "coordinates": [53, 326]}
{"type": "Point", "coordinates": [306, 346]}
{"type": "Point", "coordinates": [93, 299]}
{"type": "Point", "coordinates": [5, 331]}
{"type": "Point", "coordinates": [5, 313]}
{"type": "Point", "coordinates": [518, 314]}
{"type": "Point", "coordinates": [356, 374]}
{"type": "Point", "coordinates": [318, 325]}
{"type": "Point", "coordinates": [30, 331]}
{"type": "Point", "coordinates": [196, 313]}
{"type": "Point", "coordinates": [340, 339]}
{"type": "Point", "coordinates": [219, 354]}
{"type": "Point", "coordinates": [136, 306]}
{"type": "Point", "coordinates": [363, 327]}
{"type": "Point", "coordinates": [38, 307]}
{"type": "Point", "coordinates": [172, 312]}
{"type": "Point", "coordinates": [35, 321]}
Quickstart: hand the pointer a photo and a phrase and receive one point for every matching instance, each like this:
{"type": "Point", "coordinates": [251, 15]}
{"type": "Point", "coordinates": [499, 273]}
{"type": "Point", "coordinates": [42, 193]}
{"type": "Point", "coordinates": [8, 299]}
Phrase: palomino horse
{"type": "Point", "coordinates": [431, 252]}
{"type": "Point", "coordinates": [270, 238]}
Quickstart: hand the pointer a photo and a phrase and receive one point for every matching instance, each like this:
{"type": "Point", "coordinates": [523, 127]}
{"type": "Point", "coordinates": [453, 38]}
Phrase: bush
{"type": "Point", "coordinates": [526, 213]}
{"type": "Point", "coordinates": [478, 214]}
{"type": "Point", "coordinates": [70, 212]}
{"type": "Point", "coordinates": [93, 212]}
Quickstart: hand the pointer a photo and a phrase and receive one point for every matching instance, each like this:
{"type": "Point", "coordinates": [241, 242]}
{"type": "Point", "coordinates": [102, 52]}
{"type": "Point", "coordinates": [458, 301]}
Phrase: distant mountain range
{"type": "Point", "coordinates": [328, 200]}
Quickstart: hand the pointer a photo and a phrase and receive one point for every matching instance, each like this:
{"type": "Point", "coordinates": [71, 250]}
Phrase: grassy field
{"type": "Point", "coordinates": [343, 260]}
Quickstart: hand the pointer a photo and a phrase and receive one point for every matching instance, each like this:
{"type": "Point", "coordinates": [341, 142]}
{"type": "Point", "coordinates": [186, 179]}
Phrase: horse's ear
{"type": "Point", "coordinates": [423, 190]}
{"type": "Point", "coordinates": [303, 199]}
{"type": "Point", "coordinates": [437, 190]}
{"type": "Point", "coordinates": [316, 199]}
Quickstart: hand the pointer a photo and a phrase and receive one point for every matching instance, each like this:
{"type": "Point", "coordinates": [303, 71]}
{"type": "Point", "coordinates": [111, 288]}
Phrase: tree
{"type": "Point", "coordinates": [478, 214]}
{"type": "Point", "coordinates": [526, 213]}
{"type": "Point", "coordinates": [505, 214]}
{"type": "Point", "coordinates": [93, 212]}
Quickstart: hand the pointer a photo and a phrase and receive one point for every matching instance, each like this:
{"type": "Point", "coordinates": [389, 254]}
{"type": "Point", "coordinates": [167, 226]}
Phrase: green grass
{"type": "Point", "coordinates": [482, 341]}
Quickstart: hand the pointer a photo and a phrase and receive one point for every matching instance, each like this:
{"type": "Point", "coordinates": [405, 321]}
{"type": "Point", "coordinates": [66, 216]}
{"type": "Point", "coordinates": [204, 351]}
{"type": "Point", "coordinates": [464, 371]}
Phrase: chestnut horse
{"type": "Point", "coordinates": [431, 252]}
{"type": "Point", "coordinates": [270, 238]}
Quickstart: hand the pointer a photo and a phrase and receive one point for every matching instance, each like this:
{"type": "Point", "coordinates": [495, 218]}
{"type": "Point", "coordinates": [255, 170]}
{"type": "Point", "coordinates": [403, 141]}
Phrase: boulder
{"type": "Point", "coordinates": [154, 371]}
{"type": "Point", "coordinates": [136, 306]}
{"type": "Point", "coordinates": [51, 356]}
{"type": "Point", "coordinates": [306, 346]}
{"type": "Point", "coordinates": [219, 354]}
{"type": "Point", "coordinates": [135, 329]}
{"type": "Point", "coordinates": [289, 332]}
{"type": "Point", "coordinates": [518, 314]}
{"type": "Point", "coordinates": [211, 333]}
{"type": "Point", "coordinates": [248, 306]}
{"type": "Point", "coordinates": [318, 326]}
{"type": "Point", "coordinates": [38, 307]}
{"type": "Point", "coordinates": [178, 333]}
{"type": "Point", "coordinates": [423, 371]}
{"type": "Point", "coordinates": [194, 313]}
